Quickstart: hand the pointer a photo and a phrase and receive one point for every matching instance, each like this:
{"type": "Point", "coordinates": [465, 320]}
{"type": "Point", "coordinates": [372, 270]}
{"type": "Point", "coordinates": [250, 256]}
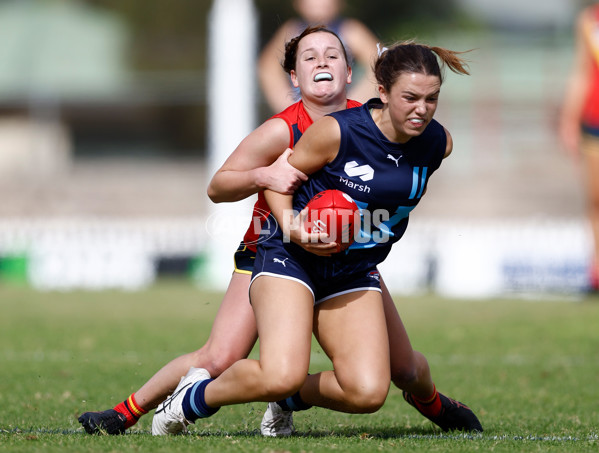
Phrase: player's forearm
{"type": "Point", "coordinates": [279, 96]}
{"type": "Point", "coordinates": [231, 185]}
{"type": "Point", "coordinates": [363, 91]}
{"type": "Point", "coordinates": [275, 87]}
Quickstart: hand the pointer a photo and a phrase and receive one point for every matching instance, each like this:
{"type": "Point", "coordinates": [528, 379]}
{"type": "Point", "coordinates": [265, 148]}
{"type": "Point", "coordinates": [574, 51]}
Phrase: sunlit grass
{"type": "Point", "coordinates": [530, 370]}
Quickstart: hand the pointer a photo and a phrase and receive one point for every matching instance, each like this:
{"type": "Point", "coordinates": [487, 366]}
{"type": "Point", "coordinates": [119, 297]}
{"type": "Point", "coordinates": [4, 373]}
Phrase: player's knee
{"type": "Point", "coordinates": [282, 384]}
{"type": "Point", "coordinates": [214, 362]}
{"type": "Point", "coordinates": [404, 376]}
{"type": "Point", "coordinates": [217, 365]}
{"type": "Point", "coordinates": [368, 398]}
{"type": "Point", "coordinates": [409, 373]}
{"type": "Point", "coordinates": [367, 394]}
{"type": "Point", "coordinates": [221, 361]}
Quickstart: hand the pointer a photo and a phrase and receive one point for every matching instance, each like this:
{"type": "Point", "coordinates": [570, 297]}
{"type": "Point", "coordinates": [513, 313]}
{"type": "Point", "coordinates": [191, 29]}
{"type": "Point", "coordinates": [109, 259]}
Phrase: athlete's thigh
{"type": "Point", "coordinates": [234, 328]}
{"type": "Point", "coordinates": [400, 348]}
{"type": "Point", "coordinates": [352, 331]}
{"type": "Point", "coordinates": [284, 311]}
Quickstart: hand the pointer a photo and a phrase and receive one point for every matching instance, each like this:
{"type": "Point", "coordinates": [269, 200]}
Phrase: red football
{"type": "Point", "coordinates": [335, 213]}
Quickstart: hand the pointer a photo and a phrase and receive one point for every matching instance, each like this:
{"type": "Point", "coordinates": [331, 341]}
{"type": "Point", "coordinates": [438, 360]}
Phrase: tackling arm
{"type": "Point", "coordinates": [259, 162]}
{"type": "Point", "coordinates": [274, 82]}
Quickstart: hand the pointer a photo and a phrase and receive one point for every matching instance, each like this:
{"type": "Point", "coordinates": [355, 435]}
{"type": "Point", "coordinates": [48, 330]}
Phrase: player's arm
{"type": "Point", "coordinates": [362, 43]}
{"type": "Point", "coordinates": [317, 147]}
{"type": "Point", "coordinates": [259, 162]}
{"type": "Point", "coordinates": [274, 81]}
{"type": "Point", "coordinates": [576, 89]}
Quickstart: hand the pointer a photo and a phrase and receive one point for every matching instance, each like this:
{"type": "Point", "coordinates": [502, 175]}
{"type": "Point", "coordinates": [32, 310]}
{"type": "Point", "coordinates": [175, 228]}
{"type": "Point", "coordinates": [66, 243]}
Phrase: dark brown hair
{"type": "Point", "coordinates": [410, 56]}
{"type": "Point", "coordinates": [291, 46]}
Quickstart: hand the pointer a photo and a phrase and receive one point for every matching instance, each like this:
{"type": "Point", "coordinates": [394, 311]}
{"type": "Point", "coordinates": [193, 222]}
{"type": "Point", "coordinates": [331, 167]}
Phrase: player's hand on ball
{"type": "Point", "coordinates": [335, 214]}
{"type": "Point", "coordinates": [317, 243]}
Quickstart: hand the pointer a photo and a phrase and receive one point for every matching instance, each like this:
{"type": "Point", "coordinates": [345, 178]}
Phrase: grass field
{"type": "Point", "coordinates": [530, 370]}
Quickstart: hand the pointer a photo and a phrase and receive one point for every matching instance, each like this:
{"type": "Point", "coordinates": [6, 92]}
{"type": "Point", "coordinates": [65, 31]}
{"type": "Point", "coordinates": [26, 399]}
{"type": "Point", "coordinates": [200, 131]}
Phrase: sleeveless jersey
{"type": "Point", "coordinates": [590, 113]}
{"type": "Point", "coordinates": [385, 179]}
{"type": "Point", "coordinates": [298, 120]}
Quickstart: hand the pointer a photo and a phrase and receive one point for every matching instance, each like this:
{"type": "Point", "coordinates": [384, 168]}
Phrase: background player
{"type": "Point", "coordinates": [358, 40]}
{"type": "Point", "coordinates": [579, 122]}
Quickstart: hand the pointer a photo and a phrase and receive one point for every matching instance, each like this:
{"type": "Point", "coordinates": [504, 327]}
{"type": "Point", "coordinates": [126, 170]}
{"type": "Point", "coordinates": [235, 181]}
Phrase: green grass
{"type": "Point", "coordinates": [530, 370]}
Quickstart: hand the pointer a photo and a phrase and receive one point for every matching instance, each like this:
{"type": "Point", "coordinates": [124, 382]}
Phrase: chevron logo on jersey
{"type": "Point", "coordinates": [365, 172]}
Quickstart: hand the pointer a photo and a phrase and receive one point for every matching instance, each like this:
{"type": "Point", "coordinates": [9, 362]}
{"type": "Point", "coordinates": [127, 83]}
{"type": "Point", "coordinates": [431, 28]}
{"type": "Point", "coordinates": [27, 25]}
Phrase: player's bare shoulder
{"type": "Point", "coordinates": [261, 147]}
{"type": "Point", "coordinates": [325, 129]}
{"type": "Point", "coordinates": [273, 137]}
{"type": "Point", "coordinates": [318, 146]}
{"type": "Point", "coordinates": [324, 136]}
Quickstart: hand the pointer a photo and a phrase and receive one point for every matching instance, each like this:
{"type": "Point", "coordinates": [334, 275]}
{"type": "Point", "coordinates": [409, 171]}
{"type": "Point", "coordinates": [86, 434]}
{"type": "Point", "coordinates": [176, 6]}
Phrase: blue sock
{"type": "Point", "coordinates": [294, 403]}
{"type": "Point", "coordinates": [194, 404]}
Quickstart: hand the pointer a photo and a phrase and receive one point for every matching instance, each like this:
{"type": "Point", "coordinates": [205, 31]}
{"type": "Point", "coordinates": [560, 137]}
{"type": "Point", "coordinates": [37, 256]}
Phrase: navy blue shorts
{"type": "Point", "coordinates": [244, 259]}
{"type": "Point", "coordinates": [323, 276]}
{"type": "Point", "coordinates": [591, 131]}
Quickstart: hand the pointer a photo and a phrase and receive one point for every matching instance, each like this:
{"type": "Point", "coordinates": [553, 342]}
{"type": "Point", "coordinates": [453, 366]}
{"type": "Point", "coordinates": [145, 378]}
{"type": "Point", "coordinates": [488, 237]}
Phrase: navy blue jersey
{"type": "Point", "coordinates": [385, 179]}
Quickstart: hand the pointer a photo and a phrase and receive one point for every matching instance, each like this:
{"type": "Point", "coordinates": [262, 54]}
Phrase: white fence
{"type": "Point", "coordinates": [482, 259]}
{"type": "Point", "coordinates": [462, 259]}
{"type": "Point", "coordinates": [97, 254]}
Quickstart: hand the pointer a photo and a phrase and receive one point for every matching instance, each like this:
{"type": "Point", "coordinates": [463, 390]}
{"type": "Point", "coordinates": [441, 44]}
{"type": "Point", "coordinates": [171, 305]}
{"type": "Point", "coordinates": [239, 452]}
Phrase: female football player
{"type": "Point", "coordinates": [579, 121]}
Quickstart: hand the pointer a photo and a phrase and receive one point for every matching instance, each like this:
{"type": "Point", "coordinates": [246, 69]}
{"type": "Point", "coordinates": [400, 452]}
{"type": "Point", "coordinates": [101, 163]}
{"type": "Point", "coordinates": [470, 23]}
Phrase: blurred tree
{"type": "Point", "coordinates": [168, 54]}
{"type": "Point", "coordinates": [171, 36]}
{"type": "Point", "coordinates": [167, 36]}
{"type": "Point", "coordinates": [169, 44]}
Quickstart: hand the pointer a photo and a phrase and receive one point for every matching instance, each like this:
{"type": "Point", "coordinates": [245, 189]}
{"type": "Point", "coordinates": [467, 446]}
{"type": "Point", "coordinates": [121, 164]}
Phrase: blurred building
{"type": "Point", "coordinates": [96, 152]}
{"type": "Point", "coordinates": [55, 56]}
{"type": "Point", "coordinates": [101, 164]}
{"type": "Point", "coordinates": [83, 132]}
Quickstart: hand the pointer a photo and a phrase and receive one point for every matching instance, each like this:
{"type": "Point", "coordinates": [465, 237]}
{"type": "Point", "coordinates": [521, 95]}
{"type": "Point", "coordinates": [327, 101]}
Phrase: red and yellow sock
{"type": "Point", "coordinates": [130, 409]}
{"type": "Point", "coordinates": [430, 406]}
